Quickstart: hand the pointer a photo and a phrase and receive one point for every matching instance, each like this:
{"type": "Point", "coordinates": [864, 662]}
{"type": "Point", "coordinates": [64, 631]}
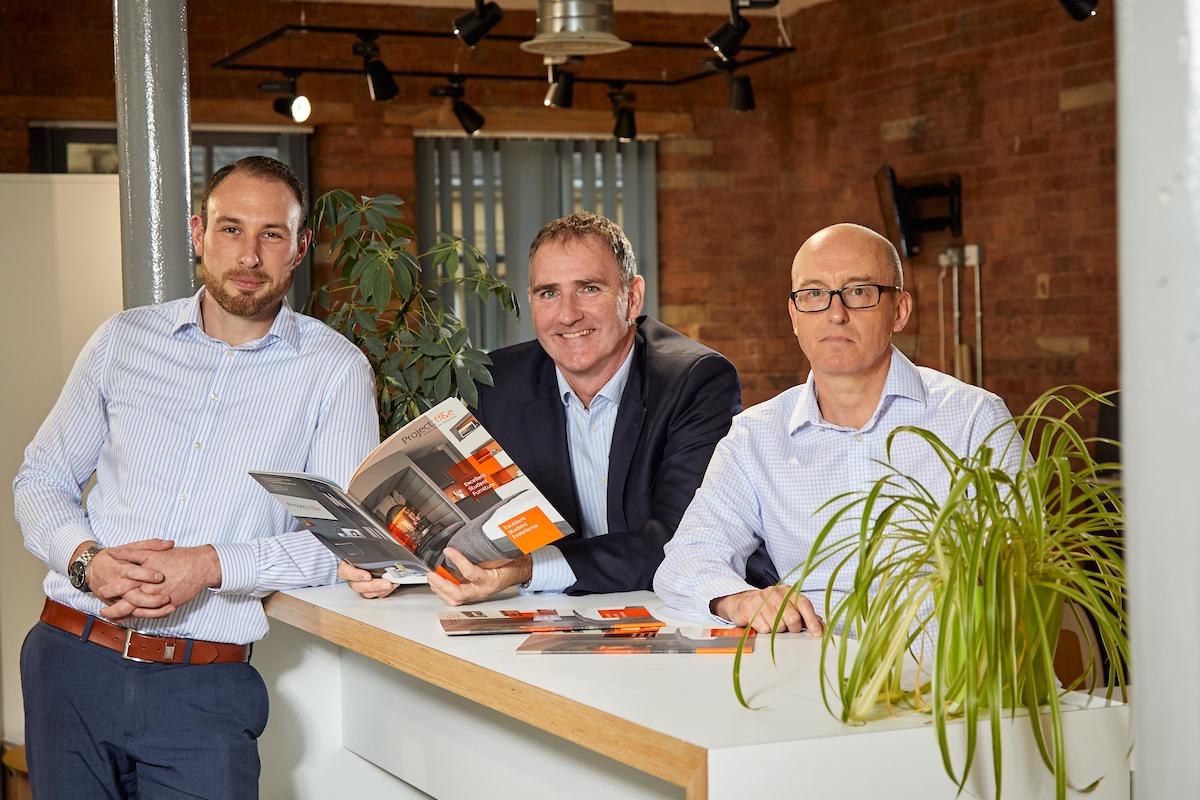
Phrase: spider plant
{"type": "Point", "coordinates": [971, 586]}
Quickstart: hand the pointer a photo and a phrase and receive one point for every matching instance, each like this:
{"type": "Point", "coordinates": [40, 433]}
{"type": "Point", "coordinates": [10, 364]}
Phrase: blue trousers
{"type": "Point", "coordinates": [100, 726]}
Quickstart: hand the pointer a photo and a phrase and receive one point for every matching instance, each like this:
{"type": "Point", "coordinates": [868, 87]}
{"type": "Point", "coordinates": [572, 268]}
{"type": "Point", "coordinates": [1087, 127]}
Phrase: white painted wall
{"type": "Point", "coordinates": [60, 269]}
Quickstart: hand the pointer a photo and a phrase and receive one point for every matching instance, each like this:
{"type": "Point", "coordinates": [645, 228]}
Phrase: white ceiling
{"type": "Point", "coordinates": [788, 7]}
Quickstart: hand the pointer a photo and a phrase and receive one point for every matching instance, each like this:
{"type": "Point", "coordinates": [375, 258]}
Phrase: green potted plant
{"type": "Point", "coordinates": [382, 299]}
{"type": "Point", "coordinates": [972, 587]}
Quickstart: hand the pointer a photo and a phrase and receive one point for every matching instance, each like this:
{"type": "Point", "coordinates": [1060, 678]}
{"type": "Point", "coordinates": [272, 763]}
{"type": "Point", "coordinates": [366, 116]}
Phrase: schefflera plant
{"type": "Point", "coordinates": [380, 299]}
{"type": "Point", "coordinates": [971, 588]}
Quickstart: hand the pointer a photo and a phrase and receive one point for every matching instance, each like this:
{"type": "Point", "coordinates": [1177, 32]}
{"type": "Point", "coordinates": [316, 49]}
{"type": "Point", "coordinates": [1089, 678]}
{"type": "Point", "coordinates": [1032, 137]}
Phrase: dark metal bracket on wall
{"type": "Point", "coordinates": [756, 55]}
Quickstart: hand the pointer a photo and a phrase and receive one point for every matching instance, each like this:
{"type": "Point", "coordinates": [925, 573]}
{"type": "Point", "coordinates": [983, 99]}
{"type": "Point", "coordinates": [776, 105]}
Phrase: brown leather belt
{"type": "Point", "coordinates": [139, 646]}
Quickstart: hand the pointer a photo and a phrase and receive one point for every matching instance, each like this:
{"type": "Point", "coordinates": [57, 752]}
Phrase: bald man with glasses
{"type": "Point", "coordinates": [786, 458]}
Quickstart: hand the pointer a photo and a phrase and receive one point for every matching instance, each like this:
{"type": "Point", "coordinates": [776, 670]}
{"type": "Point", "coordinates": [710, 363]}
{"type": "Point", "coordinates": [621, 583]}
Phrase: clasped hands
{"type": "Point", "coordinates": [150, 578]}
{"type": "Point", "coordinates": [480, 581]}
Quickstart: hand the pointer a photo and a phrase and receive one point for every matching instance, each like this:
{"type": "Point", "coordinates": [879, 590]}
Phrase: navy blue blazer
{"type": "Point", "coordinates": [678, 403]}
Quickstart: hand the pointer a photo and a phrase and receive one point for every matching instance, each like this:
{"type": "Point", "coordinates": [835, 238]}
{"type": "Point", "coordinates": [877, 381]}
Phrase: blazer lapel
{"type": "Point", "coordinates": [545, 424]}
{"type": "Point", "coordinates": [628, 428]}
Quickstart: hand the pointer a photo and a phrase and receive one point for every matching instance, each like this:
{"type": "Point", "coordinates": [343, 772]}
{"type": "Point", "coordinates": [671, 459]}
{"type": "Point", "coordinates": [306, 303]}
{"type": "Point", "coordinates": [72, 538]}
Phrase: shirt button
{"type": "Point", "coordinates": [229, 353]}
{"type": "Point", "coordinates": [595, 428]}
{"type": "Point", "coordinates": [603, 481]}
{"type": "Point", "coordinates": [197, 445]}
{"type": "Point", "coordinates": [858, 437]}
{"type": "Point", "coordinates": [214, 397]}
{"type": "Point", "coordinates": [183, 497]}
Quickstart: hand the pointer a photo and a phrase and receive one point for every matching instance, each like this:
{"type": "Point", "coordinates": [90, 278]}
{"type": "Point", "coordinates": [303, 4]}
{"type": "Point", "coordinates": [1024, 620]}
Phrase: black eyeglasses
{"type": "Point", "coordinates": [859, 295]}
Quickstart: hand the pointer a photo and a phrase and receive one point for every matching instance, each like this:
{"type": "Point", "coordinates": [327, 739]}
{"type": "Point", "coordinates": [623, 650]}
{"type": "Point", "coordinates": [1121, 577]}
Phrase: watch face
{"type": "Point", "coordinates": [78, 575]}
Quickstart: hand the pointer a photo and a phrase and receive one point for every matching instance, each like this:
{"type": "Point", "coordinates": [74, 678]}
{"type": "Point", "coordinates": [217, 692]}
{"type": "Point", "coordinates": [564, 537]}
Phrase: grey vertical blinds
{"type": "Point", "coordinates": [498, 193]}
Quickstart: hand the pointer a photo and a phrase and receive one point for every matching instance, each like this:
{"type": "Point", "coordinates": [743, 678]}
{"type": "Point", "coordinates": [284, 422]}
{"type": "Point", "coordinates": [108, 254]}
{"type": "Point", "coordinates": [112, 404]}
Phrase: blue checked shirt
{"type": "Point", "coordinates": [170, 420]}
{"type": "Point", "coordinates": [780, 462]}
{"type": "Point", "coordinates": [589, 438]}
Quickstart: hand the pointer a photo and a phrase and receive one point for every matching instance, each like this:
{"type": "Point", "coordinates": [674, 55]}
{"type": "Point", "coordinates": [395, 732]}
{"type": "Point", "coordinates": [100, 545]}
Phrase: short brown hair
{"type": "Point", "coordinates": [263, 167]}
{"type": "Point", "coordinates": [584, 224]}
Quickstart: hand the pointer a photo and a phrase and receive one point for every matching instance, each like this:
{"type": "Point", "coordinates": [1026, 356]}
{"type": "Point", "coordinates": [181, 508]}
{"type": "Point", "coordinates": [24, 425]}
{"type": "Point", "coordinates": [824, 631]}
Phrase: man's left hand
{"type": "Point", "coordinates": [186, 572]}
{"type": "Point", "coordinates": [480, 581]}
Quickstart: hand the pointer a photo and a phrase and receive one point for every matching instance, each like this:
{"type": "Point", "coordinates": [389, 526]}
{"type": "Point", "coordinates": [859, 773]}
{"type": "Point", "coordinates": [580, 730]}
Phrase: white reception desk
{"type": "Point", "coordinates": [466, 717]}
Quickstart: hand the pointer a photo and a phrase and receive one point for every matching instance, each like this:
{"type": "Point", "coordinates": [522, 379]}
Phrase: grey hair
{"type": "Point", "coordinates": [584, 224]}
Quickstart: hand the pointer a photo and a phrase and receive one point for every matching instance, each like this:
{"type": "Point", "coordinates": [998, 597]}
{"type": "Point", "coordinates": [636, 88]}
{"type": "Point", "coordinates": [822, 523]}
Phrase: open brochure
{"type": "Point", "coordinates": [439, 481]}
{"type": "Point", "coordinates": [627, 620]}
{"type": "Point", "coordinates": [689, 641]}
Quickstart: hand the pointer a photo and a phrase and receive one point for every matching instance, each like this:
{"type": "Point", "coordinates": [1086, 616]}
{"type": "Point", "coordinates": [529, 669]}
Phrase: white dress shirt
{"type": "Point", "coordinates": [781, 462]}
{"type": "Point", "coordinates": [589, 438]}
{"type": "Point", "coordinates": [170, 420]}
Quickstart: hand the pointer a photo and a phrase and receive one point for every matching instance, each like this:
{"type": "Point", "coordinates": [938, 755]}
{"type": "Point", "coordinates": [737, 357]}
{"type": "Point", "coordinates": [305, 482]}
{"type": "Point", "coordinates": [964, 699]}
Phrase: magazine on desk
{"type": "Point", "coordinates": [439, 481]}
{"type": "Point", "coordinates": [685, 641]}
{"type": "Point", "coordinates": [631, 619]}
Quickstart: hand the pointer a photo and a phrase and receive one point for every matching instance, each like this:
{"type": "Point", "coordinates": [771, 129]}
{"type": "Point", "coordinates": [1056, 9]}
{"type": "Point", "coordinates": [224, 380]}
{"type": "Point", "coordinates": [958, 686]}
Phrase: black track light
{"type": "Point", "coordinates": [293, 105]}
{"type": "Point", "coordinates": [468, 116]}
{"type": "Point", "coordinates": [561, 92]}
{"type": "Point", "coordinates": [741, 93]}
{"type": "Point", "coordinates": [625, 127]}
{"type": "Point", "coordinates": [726, 40]}
{"type": "Point", "coordinates": [472, 26]}
{"type": "Point", "coordinates": [470, 119]}
{"type": "Point", "coordinates": [380, 82]}
{"type": "Point", "coordinates": [1080, 10]}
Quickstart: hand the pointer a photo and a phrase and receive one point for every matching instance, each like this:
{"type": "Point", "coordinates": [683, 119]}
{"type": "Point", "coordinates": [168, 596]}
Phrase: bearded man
{"type": "Point", "coordinates": [137, 679]}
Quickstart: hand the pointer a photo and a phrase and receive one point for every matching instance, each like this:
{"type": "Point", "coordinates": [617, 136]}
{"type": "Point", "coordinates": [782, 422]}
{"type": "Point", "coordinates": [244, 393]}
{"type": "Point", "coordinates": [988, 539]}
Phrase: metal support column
{"type": "Point", "coordinates": [1158, 69]}
{"type": "Point", "coordinates": [150, 57]}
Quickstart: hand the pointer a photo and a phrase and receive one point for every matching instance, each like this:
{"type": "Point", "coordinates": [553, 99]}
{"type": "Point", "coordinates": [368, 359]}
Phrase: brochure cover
{"type": "Point", "coordinates": [689, 641]}
{"type": "Point", "coordinates": [627, 620]}
{"type": "Point", "coordinates": [439, 481]}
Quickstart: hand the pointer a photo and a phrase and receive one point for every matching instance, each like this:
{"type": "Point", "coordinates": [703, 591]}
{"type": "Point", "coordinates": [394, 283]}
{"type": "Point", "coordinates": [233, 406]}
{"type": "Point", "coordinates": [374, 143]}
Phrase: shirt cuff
{"type": "Point", "coordinates": [239, 567]}
{"type": "Point", "coordinates": [551, 572]}
{"type": "Point", "coordinates": [719, 587]}
{"type": "Point", "coordinates": [66, 542]}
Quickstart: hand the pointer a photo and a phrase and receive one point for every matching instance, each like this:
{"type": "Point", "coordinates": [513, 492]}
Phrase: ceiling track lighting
{"type": "Point", "coordinates": [561, 91]}
{"type": "Point", "coordinates": [1080, 10]}
{"type": "Point", "coordinates": [292, 105]}
{"type": "Point", "coordinates": [625, 121]}
{"type": "Point", "coordinates": [468, 116]}
{"type": "Point", "coordinates": [473, 25]}
{"type": "Point", "coordinates": [726, 40]}
{"type": "Point", "coordinates": [380, 82]}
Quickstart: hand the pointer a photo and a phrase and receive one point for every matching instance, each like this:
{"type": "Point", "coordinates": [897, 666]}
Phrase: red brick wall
{"type": "Point", "coordinates": [1012, 95]}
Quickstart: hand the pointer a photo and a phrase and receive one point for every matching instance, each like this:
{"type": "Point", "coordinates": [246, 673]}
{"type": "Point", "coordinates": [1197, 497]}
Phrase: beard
{"type": "Point", "coordinates": [241, 303]}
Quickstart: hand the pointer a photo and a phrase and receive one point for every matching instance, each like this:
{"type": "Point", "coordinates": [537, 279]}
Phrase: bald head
{"type": "Point", "coordinates": [851, 244]}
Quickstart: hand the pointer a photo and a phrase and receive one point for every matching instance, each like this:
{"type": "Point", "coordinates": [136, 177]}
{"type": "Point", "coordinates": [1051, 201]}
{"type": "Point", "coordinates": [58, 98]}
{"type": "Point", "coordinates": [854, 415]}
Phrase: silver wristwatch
{"type": "Point", "coordinates": [78, 571]}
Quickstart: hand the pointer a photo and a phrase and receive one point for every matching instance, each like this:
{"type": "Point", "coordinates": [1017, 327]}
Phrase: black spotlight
{"type": "Point", "coordinates": [470, 119]}
{"type": "Point", "coordinates": [472, 26]}
{"type": "Point", "coordinates": [561, 92]}
{"type": "Point", "coordinates": [625, 127]}
{"type": "Point", "coordinates": [726, 40]}
{"type": "Point", "coordinates": [741, 93]}
{"type": "Point", "coordinates": [1080, 9]}
{"type": "Point", "coordinates": [380, 82]}
{"type": "Point", "coordinates": [293, 105]}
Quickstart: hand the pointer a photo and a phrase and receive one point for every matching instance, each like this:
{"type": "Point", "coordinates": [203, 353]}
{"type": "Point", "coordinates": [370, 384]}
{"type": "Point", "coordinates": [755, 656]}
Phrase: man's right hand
{"type": "Point", "coordinates": [364, 582]}
{"type": "Point", "coordinates": [117, 573]}
{"type": "Point", "coordinates": [758, 609]}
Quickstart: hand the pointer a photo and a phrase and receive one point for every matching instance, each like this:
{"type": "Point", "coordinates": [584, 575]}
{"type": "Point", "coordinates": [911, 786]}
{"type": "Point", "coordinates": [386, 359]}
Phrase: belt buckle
{"type": "Point", "coordinates": [168, 650]}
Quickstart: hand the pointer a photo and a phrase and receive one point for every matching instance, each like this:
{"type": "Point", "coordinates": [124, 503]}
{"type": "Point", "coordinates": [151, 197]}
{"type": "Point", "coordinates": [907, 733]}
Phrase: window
{"type": "Point", "coordinates": [498, 193]}
{"type": "Point", "coordinates": [66, 147]}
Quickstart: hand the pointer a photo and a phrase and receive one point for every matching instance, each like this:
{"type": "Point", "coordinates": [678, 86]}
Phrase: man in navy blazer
{"type": "Point", "coordinates": [614, 416]}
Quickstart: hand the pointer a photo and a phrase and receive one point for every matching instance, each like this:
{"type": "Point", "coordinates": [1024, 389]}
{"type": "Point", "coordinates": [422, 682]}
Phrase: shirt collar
{"type": "Point", "coordinates": [903, 380]}
{"type": "Point", "coordinates": [610, 391]}
{"type": "Point", "coordinates": [285, 327]}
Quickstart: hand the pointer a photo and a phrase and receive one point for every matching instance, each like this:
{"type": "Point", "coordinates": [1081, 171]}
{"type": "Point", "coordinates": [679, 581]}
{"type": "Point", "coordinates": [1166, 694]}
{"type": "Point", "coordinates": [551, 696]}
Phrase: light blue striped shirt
{"type": "Point", "coordinates": [589, 438]}
{"type": "Point", "coordinates": [781, 461]}
{"type": "Point", "coordinates": [170, 420]}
